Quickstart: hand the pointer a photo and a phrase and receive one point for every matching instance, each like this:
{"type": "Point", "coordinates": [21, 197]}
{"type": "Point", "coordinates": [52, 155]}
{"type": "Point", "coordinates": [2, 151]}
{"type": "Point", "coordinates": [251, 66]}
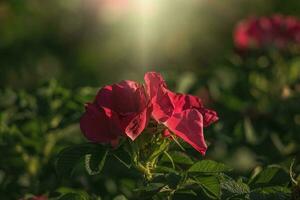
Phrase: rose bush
{"type": "Point", "coordinates": [146, 114]}
{"type": "Point", "coordinates": [150, 167]}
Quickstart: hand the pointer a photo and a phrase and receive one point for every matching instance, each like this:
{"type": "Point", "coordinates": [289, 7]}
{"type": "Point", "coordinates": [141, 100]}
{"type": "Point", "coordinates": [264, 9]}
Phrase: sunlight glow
{"type": "Point", "coordinates": [150, 29]}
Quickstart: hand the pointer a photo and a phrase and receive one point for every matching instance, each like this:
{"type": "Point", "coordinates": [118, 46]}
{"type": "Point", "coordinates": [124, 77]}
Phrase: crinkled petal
{"type": "Point", "coordinates": [154, 82]}
{"type": "Point", "coordinates": [184, 101]}
{"type": "Point", "coordinates": [160, 97]}
{"type": "Point", "coordinates": [188, 125]}
{"type": "Point", "coordinates": [162, 106]}
{"type": "Point", "coordinates": [138, 123]}
{"type": "Point", "coordinates": [209, 116]}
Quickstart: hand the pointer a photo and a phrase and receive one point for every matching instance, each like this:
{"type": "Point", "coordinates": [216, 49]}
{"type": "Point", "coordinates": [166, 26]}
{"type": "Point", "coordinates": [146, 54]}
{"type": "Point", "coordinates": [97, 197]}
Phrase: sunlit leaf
{"type": "Point", "coordinates": [178, 157]}
{"type": "Point", "coordinates": [208, 166]}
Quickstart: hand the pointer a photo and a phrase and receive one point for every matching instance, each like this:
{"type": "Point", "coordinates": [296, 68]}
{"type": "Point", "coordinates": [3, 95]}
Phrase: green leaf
{"type": "Point", "coordinates": [70, 156]}
{"type": "Point", "coordinates": [294, 70]}
{"type": "Point", "coordinates": [178, 157]}
{"type": "Point", "coordinates": [158, 196]}
{"type": "Point", "coordinates": [95, 161]}
{"type": "Point", "coordinates": [185, 195]}
{"type": "Point", "coordinates": [271, 193]}
{"type": "Point", "coordinates": [167, 155]}
{"type": "Point", "coordinates": [295, 182]}
{"type": "Point", "coordinates": [173, 180]}
{"type": "Point", "coordinates": [270, 176]}
{"type": "Point", "coordinates": [74, 196]}
{"type": "Point", "coordinates": [208, 166]}
{"type": "Point", "coordinates": [152, 191]}
{"type": "Point", "coordinates": [250, 132]}
{"type": "Point", "coordinates": [122, 161]}
{"type": "Point", "coordinates": [120, 197]}
{"type": "Point", "coordinates": [210, 186]}
{"type": "Point", "coordinates": [163, 169]}
{"type": "Point", "coordinates": [186, 192]}
{"type": "Point", "coordinates": [151, 187]}
{"type": "Point", "coordinates": [232, 189]}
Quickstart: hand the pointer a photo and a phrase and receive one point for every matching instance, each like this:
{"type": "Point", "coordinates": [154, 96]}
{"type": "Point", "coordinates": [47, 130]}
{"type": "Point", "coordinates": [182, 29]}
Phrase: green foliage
{"type": "Point", "coordinates": [34, 126]}
{"type": "Point", "coordinates": [205, 179]}
{"type": "Point", "coordinates": [47, 121]}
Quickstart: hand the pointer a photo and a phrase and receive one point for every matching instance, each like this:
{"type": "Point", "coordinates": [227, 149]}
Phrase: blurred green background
{"type": "Point", "coordinates": [86, 42]}
{"type": "Point", "coordinates": [55, 54]}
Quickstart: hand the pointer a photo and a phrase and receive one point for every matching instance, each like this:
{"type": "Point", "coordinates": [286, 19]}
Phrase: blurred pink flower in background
{"type": "Point", "coordinates": [116, 5]}
{"type": "Point", "coordinates": [40, 198]}
{"type": "Point", "coordinates": [111, 11]}
{"type": "Point", "coordinates": [275, 31]}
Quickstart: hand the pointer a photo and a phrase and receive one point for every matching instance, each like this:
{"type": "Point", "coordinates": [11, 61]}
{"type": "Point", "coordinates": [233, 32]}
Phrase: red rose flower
{"type": "Point", "coordinates": [121, 109]}
{"type": "Point", "coordinates": [184, 115]}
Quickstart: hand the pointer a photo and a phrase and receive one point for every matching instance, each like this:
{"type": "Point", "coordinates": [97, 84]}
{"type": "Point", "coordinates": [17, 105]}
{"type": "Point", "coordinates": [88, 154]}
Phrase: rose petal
{"type": "Point", "coordinates": [160, 96]}
{"type": "Point", "coordinates": [188, 125]}
{"type": "Point", "coordinates": [120, 97]}
{"type": "Point", "coordinates": [154, 82]}
{"type": "Point", "coordinates": [104, 97]}
{"type": "Point", "coordinates": [166, 133]}
{"type": "Point", "coordinates": [162, 106]}
{"type": "Point", "coordinates": [138, 124]}
{"type": "Point", "coordinates": [209, 116]}
{"type": "Point", "coordinates": [183, 102]}
{"type": "Point", "coordinates": [100, 124]}
{"type": "Point", "coordinates": [182, 114]}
